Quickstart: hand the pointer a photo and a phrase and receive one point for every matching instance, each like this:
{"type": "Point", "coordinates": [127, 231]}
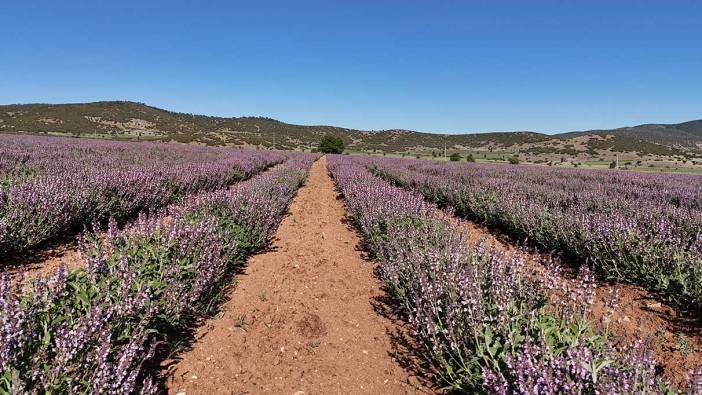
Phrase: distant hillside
{"type": "Point", "coordinates": [686, 135]}
{"type": "Point", "coordinates": [136, 121]}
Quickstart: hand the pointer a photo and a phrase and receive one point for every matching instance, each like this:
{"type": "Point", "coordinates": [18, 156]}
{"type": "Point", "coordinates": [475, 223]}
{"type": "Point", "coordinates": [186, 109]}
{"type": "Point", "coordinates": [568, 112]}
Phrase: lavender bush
{"type": "Point", "coordinates": [97, 329]}
{"type": "Point", "coordinates": [641, 228]}
{"type": "Point", "coordinates": [486, 323]}
{"type": "Point", "coordinates": [51, 186]}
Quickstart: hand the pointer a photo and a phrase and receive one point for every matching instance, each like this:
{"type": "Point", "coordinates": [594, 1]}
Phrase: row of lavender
{"type": "Point", "coordinates": [103, 328]}
{"type": "Point", "coordinates": [640, 228]}
{"type": "Point", "coordinates": [485, 322]}
{"type": "Point", "coordinates": [50, 186]}
{"type": "Point", "coordinates": [25, 157]}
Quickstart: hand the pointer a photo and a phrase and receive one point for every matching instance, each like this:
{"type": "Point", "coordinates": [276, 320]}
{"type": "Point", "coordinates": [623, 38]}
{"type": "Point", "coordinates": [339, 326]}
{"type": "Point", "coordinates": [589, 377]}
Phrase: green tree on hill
{"type": "Point", "coordinates": [330, 144]}
{"type": "Point", "coordinates": [455, 157]}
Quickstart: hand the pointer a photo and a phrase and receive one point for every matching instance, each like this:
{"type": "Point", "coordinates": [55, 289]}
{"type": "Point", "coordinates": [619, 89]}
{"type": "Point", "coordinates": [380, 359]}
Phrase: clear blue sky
{"type": "Point", "coordinates": [443, 66]}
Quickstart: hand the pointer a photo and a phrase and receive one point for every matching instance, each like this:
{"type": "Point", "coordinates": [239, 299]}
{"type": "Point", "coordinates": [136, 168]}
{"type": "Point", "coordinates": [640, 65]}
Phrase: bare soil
{"type": "Point", "coordinates": [303, 318]}
{"type": "Point", "coordinates": [43, 262]}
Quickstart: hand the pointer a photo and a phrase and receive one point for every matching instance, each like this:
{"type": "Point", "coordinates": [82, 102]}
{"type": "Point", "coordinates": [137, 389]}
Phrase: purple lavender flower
{"type": "Point", "coordinates": [95, 329]}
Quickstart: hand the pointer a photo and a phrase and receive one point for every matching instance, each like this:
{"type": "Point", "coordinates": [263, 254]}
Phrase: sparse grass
{"type": "Point", "coordinates": [684, 345]}
{"type": "Point", "coordinates": [240, 322]}
{"type": "Point", "coordinates": [263, 297]}
{"type": "Point", "coordinates": [313, 343]}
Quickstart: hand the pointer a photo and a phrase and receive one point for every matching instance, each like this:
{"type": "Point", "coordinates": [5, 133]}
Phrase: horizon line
{"type": "Point", "coordinates": [350, 128]}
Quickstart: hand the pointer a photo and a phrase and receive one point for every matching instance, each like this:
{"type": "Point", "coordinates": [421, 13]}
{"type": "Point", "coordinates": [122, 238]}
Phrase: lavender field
{"type": "Point", "coordinates": [645, 229]}
{"type": "Point", "coordinates": [164, 232]}
{"type": "Point", "coordinates": [52, 186]}
{"type": "Point", "coordinates": [102, 327]}
{"type": "Point", "coordinates": [486, 322]}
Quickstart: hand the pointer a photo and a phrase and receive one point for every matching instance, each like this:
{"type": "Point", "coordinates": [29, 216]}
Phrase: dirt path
{"type": "Point", "coordinates": [301, 320]}
{"type": "Point", "coordinates": [675, 338]}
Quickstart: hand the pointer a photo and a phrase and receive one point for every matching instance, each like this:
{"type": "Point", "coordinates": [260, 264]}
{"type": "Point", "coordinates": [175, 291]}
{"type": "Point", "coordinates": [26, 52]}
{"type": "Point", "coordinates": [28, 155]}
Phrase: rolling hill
{"type": "Point", "coordinates": [136, 121]}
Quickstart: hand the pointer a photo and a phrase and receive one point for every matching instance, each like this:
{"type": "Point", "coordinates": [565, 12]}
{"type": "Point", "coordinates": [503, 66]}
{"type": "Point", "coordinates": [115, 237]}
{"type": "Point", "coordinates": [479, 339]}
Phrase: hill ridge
{"type": "Point", "coordinates": [129, 120]}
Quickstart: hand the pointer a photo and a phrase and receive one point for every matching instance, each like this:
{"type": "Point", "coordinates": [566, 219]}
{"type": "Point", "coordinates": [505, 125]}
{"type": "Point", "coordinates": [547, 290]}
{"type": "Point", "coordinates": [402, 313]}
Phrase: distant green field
{"type": "Point", "coordinates": [501, 157]}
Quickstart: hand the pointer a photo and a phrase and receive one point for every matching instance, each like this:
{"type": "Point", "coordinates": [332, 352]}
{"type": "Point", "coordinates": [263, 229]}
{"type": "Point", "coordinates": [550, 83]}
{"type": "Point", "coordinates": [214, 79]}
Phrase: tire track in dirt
{"type": "Point", "coordinates": [301, 320]}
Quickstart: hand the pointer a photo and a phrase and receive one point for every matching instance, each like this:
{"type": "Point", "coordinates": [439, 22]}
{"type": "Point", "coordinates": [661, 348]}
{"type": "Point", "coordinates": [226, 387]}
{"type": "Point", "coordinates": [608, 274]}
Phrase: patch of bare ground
{"type": "Point", "coordinates": [674, 336]}
{"type": "Point", "coordinates": [302, 318]}
{"type": "Point", "coordinates": [42, 262]}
